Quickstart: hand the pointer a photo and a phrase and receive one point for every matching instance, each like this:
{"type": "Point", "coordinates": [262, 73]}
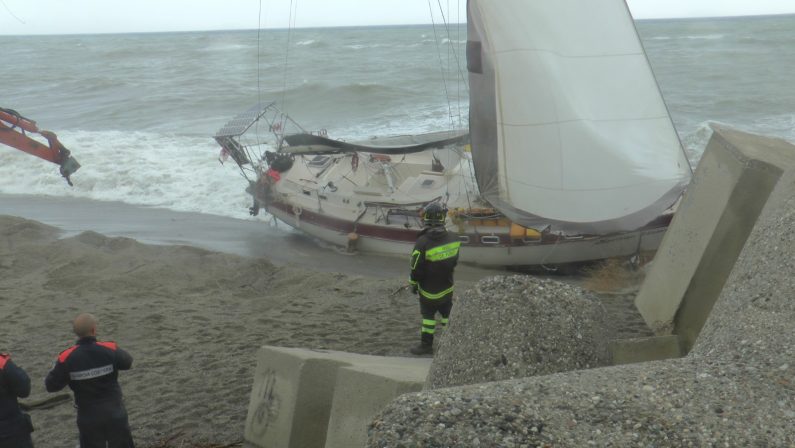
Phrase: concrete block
{"type": "Point", "coordinates": [362, 391]}
{"type": "Point", "coordinates": [291, 398]}
{"type": "Point", "coordinates": [628, 351]}
{"type": "Point", "coordinates": [730, 187]}
{"type": "Point", "coordinates": [293, 391]}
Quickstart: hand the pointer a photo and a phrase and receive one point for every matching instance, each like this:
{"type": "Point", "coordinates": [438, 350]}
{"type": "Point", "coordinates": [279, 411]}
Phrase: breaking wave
{"type": "Point", "coordinates": [141, 168]}
{"type": "Point", "coordinates": [705, 37]}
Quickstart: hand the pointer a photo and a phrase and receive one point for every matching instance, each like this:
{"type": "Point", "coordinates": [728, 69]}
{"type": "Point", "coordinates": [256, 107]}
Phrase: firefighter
{"type": "Point", "coordinates": [15, 427]}
{"type": "Point", "coordinates": [91, 369]}
{"type": "Point", "coordinates": [432, 263]}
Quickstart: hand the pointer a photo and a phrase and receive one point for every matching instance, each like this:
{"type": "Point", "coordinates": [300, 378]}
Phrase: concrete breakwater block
{"type": "Point", "coordinates": [363, 390]}
{"type": "Point", "coordinates": [519, 326]}
{"type": "Point", "coordinates": [731, 185]}
{"type": "Point", "coordinates": [297, 393]}
{"type": "Point", "coordinates": [627, 351]}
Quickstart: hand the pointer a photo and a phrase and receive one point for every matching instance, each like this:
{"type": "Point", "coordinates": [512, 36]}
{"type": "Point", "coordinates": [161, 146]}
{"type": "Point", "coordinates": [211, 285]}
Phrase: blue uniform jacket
{"type": "Point", "coordinates": [91, 370]}
{"type": "Point", "coordinates": [14, 383]}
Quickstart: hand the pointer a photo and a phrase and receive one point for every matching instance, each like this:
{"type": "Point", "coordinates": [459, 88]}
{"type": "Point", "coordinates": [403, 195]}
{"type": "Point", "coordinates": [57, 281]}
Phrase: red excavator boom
{"type": "Point", "coordinates": [13, 128]}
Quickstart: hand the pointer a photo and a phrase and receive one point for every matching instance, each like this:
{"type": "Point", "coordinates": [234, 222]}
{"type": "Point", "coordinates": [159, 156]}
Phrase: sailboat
{"type": "Point", "coordinates": [571, 155]}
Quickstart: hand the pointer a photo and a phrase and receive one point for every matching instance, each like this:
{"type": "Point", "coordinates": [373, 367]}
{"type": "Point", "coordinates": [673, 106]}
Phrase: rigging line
{"type": "Point", "coordinates": [452, 50]}
{"type": "Point", "coordinates": [12, 12]}
{"type": "Point", "coordinates": [458, 40]}
{"type": "Point", "coordinates": [259, 90]}
{"type": "Point", "coordinates": [470, 173]}
{"type": "Point", "coordinates": [441, 68]}
{"type": "Point", "coordinates": [444, 77]}
{"type": "Point", "coordinates": [449, 39]}
{"type": "Point", "coordinates": [457, 61]}
{"type": "Point", "coordinates": [287, 51]}
{"type": "Point", "coordinates": [259, 30]}
{"type": "Point", "coordinates": [449, 108]}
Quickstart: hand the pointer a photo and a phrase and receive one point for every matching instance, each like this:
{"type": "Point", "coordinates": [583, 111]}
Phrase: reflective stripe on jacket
{"type": "Point", "coordinates": [91, 369]}
{"type": "Point", "coordinates": [433, 261]}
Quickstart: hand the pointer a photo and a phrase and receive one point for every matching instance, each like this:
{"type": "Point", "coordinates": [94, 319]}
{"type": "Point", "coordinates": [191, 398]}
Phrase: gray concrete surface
{"type": "Point", "coordinates": [364, 389]}
{"type": "Point", "coordinates": [627, 351]}
{"type": "Point", "coordinates": [519, 326]}
{"type": "Point", "coordinates": [301, 395]}
{"type": "Point", "coordinates": [731, 185]}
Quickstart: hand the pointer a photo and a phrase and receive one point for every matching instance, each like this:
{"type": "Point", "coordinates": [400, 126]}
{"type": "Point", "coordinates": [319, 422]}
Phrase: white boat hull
{"type": "Point", "coordinates": [552, 253]}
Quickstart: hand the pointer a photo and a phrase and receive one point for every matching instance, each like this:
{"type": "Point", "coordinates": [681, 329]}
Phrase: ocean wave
{"type": "Point", "coordinates": [695, 142]}
{"type": "Point", "coordinates": [778, 126]}
{"type": "Point", "coordinates": [160, 170]}
{"type": "Point", "coordinates": [705, 37]}
{"type": "Point", "coordinates": [781, 125]}
{"type": "Point", "coordinates": [227, 48]}
{"type": "Point", "coordinates": [312, 43]}
{"type": "Point", "coordinates": [365, 46]}
{"type": "Point", "coordinates": [352, 93]}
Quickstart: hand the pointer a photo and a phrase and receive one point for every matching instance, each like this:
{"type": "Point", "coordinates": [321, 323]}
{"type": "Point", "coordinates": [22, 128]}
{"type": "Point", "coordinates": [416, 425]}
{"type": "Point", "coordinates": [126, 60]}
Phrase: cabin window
{"type": "Point", "coordinates": [407, 218]}
{"type": "Point", "coordinates": [464, 239]}
{"type": "Point", "coordinates": [319, 161]}
{"type": "Point", "coordinates": [491, 239]}
{"type": "Point", "coordinates": [427, 183]}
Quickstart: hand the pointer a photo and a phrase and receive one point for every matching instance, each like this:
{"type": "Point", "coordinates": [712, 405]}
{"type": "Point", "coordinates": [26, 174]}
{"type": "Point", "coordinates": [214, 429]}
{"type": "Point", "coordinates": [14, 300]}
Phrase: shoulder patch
{"type": "Point", "coordinates": [110, 345]}
{"type": "Point", "coordinates": [65, 354]}
{"type": "Point", "coordinates": [4, 358]}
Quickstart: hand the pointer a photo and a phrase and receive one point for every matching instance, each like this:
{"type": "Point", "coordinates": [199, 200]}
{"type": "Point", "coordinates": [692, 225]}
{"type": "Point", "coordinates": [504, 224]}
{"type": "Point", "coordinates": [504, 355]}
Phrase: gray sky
{"type": "Point", "coordinates": [117, 16]}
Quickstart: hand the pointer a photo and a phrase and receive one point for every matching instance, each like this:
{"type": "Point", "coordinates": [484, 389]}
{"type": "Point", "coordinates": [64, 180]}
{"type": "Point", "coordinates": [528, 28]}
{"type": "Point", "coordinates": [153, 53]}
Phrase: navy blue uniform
{"type": "Point", "coordinates": [15, 426]}
{"type": "Point", "coordinates": [433, 261]}
{"type": "Point", "coordinates": [91, 370]}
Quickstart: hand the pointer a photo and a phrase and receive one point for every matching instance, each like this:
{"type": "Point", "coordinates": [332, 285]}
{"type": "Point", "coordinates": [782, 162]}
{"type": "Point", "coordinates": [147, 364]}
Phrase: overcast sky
{"type": "Point", "coordinates": [118, 16]}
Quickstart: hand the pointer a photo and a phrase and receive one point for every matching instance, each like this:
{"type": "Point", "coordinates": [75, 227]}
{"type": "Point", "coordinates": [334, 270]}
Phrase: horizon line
{"type": "Point", "coordinates": [649, 19]}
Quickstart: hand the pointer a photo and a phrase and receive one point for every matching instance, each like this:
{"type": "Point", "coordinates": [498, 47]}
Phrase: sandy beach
{"type": "Point", "coordinates": [191, 317]}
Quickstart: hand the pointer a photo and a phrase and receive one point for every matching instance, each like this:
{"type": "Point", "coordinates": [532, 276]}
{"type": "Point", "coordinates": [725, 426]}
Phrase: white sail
{"type": "Point", "coordinates": [567, 121]}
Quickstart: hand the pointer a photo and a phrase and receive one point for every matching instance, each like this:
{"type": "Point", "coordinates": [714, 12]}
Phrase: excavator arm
{"type": "Point", "coordinates": [13, 129]}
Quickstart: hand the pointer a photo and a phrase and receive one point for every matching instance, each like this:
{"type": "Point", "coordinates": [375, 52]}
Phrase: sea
{"type": "Point", "coordinates": [139, 111]}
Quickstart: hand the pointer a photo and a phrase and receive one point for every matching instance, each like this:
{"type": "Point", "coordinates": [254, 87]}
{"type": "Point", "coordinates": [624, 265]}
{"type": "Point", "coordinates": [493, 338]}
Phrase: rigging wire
{"type": "Point", "coordinates": [458, 40]}
{"type": "Point", "coordinates": [12, 12]}
{"type": "Point", "coordinates": [290, 25]}
{"type": "Point", "coordinates": [460, 72]}
{"type": "Point", "coordinates": [441, 63]}
{"type": "Point", "coordinates": [259, 89]}
{"type": "Point", "coordinates": [459, 79]}
{"type": "Point", "coordinates": [259, 67]}
{"type": "Point", "coordinates": [444, 80]}
{"type": "Point", "coordinates": [450, 45]}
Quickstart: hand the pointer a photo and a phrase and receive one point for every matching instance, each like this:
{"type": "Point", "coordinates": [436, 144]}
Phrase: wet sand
{"type": "Point", "coordinates": [191, 317]}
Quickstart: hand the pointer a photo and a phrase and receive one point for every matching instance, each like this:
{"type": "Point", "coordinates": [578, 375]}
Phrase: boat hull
{"type": "Point", "coordinates": [500, 251]}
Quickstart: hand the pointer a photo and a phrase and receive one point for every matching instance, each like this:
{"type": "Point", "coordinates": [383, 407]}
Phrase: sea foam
{"type": "Point", "coordinates": [175, 172]}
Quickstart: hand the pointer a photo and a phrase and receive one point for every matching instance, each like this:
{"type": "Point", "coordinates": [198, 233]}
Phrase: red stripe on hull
{"type": "Point", "coordinates": [344, 226]}
{"type": "Point", "coordinates": [410, 235]}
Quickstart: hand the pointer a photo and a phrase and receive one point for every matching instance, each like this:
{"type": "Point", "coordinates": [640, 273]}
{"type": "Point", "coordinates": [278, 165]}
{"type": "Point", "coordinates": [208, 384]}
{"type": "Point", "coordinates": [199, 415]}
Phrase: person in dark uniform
{"type": "Point", "coordinates": [433, 261]}
{"type": "Point", "coordinates": [15, 427]}
{"type": "Point", "coordinates": [91, 369]}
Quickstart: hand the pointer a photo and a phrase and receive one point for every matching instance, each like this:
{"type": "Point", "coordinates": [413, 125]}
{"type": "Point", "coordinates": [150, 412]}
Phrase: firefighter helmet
{"type": "Point", "coordinates": [434, 214]}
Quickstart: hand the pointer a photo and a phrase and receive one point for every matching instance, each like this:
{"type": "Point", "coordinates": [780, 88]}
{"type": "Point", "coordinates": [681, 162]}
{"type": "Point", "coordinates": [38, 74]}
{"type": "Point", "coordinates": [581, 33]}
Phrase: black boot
{"type": "Point", "coordinates": [423, 348]}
